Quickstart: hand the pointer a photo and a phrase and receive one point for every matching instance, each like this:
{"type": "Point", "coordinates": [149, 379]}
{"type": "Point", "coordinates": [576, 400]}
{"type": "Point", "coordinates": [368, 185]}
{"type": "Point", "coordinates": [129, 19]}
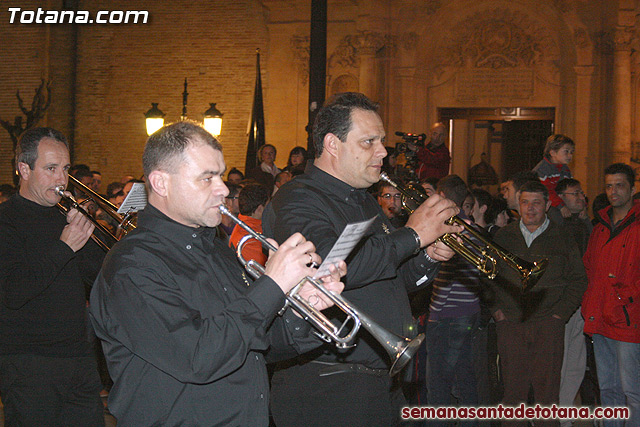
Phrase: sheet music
{"type": "Point", "coordinates": [341, 249]}
{"type": "Point", "coordinates": [135, 200]}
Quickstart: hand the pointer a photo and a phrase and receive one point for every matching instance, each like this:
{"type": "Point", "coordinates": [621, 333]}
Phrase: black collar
{"type": "Point", "coordinates": [335, 186]}
{"type": "Point", "coordinates": [153, 219]}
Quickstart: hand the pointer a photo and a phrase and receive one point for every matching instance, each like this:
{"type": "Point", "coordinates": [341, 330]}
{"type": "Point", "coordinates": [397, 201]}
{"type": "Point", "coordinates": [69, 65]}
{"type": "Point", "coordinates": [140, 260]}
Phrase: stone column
{"type": "Point", "coordinates": [368, 43]}
{"type": "Point", "coordinates": [406, 101]}
{"type": "Point", "coordinates": [622, 95]}
{"type": "Point", "coordinates": [584, 78]}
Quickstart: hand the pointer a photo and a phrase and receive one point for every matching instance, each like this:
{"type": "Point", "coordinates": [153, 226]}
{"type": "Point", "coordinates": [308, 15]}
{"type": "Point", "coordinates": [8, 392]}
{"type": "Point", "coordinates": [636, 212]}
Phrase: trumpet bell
{"type": "Point", "coordinates": [483, 255]}
{"type": "Point", "coordinates": [534, 274]}
{"type": "Point", "coordinates": [405, 350]}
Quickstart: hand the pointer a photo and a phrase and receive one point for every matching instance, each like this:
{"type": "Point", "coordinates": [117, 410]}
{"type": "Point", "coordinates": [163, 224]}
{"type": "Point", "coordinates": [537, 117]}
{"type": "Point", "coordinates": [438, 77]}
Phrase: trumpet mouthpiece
{"type": "Point", "coordinates": [60, 190]}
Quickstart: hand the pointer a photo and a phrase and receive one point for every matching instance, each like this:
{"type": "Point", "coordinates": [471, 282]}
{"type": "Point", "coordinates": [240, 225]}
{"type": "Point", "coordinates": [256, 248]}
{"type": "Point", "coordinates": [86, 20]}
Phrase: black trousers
{"type": "Point", "coordinates": [300, 397]}
{"type": "Point", "coordinates": [50, 391]}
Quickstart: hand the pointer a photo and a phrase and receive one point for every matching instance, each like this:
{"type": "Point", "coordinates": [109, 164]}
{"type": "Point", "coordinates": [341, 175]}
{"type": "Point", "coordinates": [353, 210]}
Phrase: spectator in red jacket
{"type": "Point", "coordinates": [434, 158]}
{"type": "Point", "coordinates": [252, 200]}
{"type": "Point", "coordinates": [611, 305]}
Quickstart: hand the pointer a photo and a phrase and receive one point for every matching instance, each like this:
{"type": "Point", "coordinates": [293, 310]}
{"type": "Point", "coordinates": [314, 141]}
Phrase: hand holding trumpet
{"type": "Point", "coordinates": [79, 228]}
{"type": "Point", "coordinates": [428, 220]}
{"type": "Point", "coordinates": [294, 260]}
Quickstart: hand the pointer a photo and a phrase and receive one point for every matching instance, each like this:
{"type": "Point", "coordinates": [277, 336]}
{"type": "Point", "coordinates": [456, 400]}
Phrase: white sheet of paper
{"type": "Point", "coordinates": [135, 200]}
{"type": "Point", "coordinates": [341, 249]}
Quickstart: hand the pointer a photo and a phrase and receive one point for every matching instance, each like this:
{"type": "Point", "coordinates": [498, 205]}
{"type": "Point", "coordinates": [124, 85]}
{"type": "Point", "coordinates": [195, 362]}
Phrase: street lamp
{"type": "Point", "coordinates": [212, 117]}
{"type": "Point", "coordinates": [213, 120]}
{"type": "Point", "coordinates": [154, 118]}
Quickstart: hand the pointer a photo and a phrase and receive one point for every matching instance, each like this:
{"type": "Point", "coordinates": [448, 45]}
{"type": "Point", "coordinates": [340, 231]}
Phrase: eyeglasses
{"type": "Point", "coordinates": [575, 193]}
{"type": "Point", "coordinates": [387, 196]}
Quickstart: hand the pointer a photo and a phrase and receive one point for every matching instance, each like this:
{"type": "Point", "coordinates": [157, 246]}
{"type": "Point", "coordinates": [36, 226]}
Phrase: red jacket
{"type": "Point", "coordinates": [434, 162]}
{"type": "Point", "coordinates": [611, 305]}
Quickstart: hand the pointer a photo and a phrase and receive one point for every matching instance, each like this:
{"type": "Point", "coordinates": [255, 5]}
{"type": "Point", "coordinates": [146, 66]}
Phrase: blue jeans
{"type": "Point", "coordinates": [450, 362]}
{"type": "Point", "coordinates": [618, 366]}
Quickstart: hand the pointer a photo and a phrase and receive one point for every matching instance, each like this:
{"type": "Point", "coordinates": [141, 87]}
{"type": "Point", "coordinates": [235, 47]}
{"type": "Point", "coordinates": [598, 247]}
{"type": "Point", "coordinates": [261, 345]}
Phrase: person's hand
{"type": "Point", "coordinates": [499, 316]}
{"type": "Point", "coordinates": [428, 220]}
{"type": "Point", "coordinates": [331, 282]}
{"type": "Point", "coordinates": [584, 214]}
{"type": "Point", "coordinates": [77, 231]}
{"type": "Point", "coordinates": [438, 251]}
{"type": "Point", "coordinates": [291, 262]}
{"type": "Point", "coordinates": [566, 213]}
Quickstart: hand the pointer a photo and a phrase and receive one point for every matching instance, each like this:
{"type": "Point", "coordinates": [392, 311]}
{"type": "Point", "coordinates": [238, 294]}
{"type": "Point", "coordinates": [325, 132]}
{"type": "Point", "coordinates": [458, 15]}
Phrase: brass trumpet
{"type": "Point", "coordinates": [400, 349]}
{"type": "Point", "coordinates": [104, 237]}
{"type": "Point", "coordinates": [482, 257]}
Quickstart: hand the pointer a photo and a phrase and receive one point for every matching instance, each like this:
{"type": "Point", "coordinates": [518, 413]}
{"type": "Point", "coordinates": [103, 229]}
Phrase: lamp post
{"type": "Point", "coordinates": [212, 117]}
{"type": "Point", "coordinates": [154, 118]}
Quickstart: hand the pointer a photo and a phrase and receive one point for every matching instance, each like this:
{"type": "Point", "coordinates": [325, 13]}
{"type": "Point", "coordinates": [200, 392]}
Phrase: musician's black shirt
{"type": "Point", "coordinates": [43, 306]}
{"type": "Point", "coordinates": [184, 331]}
{"type": "Point", "coordinates": [381, 269]}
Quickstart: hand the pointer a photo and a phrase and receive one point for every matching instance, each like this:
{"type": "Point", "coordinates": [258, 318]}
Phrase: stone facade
{"type": "Point", "coordinates": [575, 58]}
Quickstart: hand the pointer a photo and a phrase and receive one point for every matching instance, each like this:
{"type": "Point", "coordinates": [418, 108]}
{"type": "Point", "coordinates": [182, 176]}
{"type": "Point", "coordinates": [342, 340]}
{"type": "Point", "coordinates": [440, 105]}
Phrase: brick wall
{"type": "Point", "coordinates": [116, 71]}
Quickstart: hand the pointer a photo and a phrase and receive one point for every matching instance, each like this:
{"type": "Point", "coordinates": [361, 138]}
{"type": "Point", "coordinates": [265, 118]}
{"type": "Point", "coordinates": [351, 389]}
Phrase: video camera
{"type": "Point", "coordinates": [417, 139]}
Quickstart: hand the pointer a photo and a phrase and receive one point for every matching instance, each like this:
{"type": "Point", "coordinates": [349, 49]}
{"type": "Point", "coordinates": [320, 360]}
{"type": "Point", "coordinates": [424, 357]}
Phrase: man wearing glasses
{"type": "Point", "coordinates": [390, 200]}
{"type": "Point", "coordinates": [574, 362]}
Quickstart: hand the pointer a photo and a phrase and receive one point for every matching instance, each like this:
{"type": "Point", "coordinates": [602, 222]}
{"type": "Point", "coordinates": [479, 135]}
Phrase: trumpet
{"type": "Point", "coordinates": [105, 238]}
{"type": "Point", "coordinates": [400, 349]}
{"type": "Point", "coordinates": [483, 257]}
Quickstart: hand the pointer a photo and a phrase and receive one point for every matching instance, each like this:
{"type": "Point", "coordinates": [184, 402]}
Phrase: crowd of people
{"type": "Point", "coordinates": [187, 335]}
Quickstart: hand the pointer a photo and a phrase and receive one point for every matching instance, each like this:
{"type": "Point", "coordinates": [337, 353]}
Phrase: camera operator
{"type": "Point", "coordinates": [434, 158]}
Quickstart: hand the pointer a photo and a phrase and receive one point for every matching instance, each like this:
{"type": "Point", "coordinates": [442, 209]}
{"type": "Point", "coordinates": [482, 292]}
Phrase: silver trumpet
{"type": "Point", "coordinates": [400, 349]}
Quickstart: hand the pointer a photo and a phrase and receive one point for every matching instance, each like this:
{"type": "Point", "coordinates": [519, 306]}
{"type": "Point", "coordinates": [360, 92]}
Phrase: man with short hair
{"type": "Point", "coordinates": [510, 187]}
{"type": "Point", "coordinates": [434, 158]}
{"type": "Point", "coordinates": [48, 375]}
{"type": "Point", "coordinates": [390, 200]}
{"type": "Point", "coordinates": [231, 202]}
{"type": "Point", "coordinates": [611, 305]}
{"type": "Point", "coordinates": [453, 320]}
{"type": "Point", "coordinates": [530, 327]}
{"type": "Point", "coordinates": [574, 362]}
{"type": "Point", "coordinates": [184, 330]}
{"type": "Point", "coordinates": [281, 179]}
{"type": "Point", "coordinates": [235, 176]}
{"type": "Point", "coordinates": [96, 181]}
{"type": "Point", "coordinates": [329, 387]}
{"type": "Point", "coordinates": [251, 201]}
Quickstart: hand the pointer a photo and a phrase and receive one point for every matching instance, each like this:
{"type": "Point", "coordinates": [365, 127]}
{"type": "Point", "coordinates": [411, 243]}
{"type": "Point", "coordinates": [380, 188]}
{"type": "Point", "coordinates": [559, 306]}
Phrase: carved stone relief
{"type": "Point", "coordinates": [495, 49]}
{"type": "Point", "coordinates": [581, 38]}
{"type": "Point", "coordinates": [344, 83]}
{"type": "Point", "coordinates": [346, 58]}
{"type": "Point", "coordinates": [300, 46]}
{"type": "Point", "coordinates": [505, 39]}
{"type": "Point", "coordinates": [624, 38]}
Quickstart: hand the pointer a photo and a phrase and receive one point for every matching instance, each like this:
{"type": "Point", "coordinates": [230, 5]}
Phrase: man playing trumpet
{"type": "Point", "coordinates": [352, 388]}
{"type": "Point", "coordinates": [183, 329]}
{"type": "Point", "coordinates": [48, 374]}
